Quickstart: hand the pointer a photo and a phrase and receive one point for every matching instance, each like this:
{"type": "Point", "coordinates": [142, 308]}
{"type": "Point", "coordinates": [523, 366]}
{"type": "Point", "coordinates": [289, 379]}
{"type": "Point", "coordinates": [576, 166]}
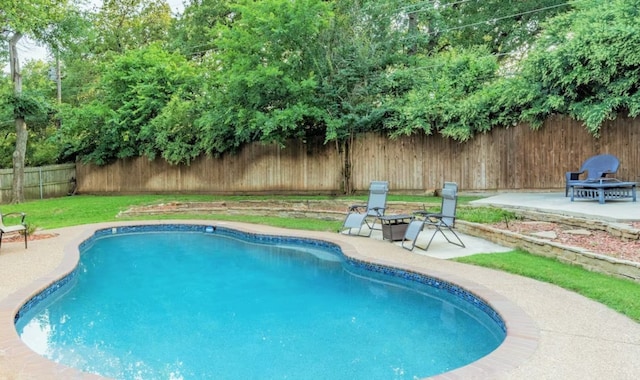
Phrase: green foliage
{"type": "Point", "coordinates": [367, 48]}
{"type": "Point", "coordinates": [173, 134]}
{"type": "Point", "coordinates": [34, 105]}
{"type": "Point", "coordinates": [501, 26]}
{"type": "Point", "coordinates": [446, 96]}
{"type": "Point", "coordinates": [134, 90]}
{"type": "Point", "coordinates": [31, 17]}
{"type": "Point", "coordinates": [77, 141]}
{"type": "Point", "coordinates": [226, 73]}
{"type": "Point", "coordinates": [25, 105]}
{"type": "Point", "coordinates": [195, 32]}
{"type": "Point", "coordinates": [586, 63]}
{"type": "Point", "coordinates": [123, 25]}
{"type": "Point", "coordinates": [263, 83]}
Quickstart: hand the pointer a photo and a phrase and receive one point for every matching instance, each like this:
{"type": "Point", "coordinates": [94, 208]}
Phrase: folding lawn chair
{"type": "Point", "coordinates": [359, 215]}
{"type": "Point", "coordinates": [441, 222]}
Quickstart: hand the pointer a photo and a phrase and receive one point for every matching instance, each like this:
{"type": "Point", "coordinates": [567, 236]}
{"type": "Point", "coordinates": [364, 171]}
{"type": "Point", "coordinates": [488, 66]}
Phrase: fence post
{"type": "Point", "coordinates": [40, 182]}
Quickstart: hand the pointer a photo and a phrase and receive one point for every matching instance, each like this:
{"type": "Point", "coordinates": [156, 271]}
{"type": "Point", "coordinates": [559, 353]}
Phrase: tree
{"type": "Point", "coordinates": [502, 26]}
{"type": "Point", "coordinates": [38, 89]}
{"type": "Point", "coordinates": [19, 19]}
{"type": "Point", "coordinates": [263, 80]}
{"type": "Point", "coordinates": [133, 90]}
{"type": "Point", "coordinates": [123, 25]}
{"type": "Point", "coordinates": [586, 64]}
{"type": "Point", "coordinates": [442, 95]}
{"type": "Point", "coordinates": [194, 34]}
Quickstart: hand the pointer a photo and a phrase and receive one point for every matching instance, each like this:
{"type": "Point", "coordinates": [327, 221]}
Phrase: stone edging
{"type": "Point", "coordinates": [621, 230]}
{"type": "Point", "coordinates": [571, 255]}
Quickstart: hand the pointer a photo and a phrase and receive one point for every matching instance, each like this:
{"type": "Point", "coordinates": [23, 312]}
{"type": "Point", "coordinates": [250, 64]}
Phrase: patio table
{"type": "Point", "coordinates": [604, 189]}
{"type": "Point", "coordinates": [394, 226]}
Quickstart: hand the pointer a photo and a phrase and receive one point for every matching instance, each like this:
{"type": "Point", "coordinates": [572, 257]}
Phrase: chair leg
{"type": "Point", "coordinates": [459, 244]}
{"type": "Point", "coordinates": [372, 225]}
{"type": "Point", "coordinates": [26, 236]}
{"type": "Point", "coordinates": [439, 229]}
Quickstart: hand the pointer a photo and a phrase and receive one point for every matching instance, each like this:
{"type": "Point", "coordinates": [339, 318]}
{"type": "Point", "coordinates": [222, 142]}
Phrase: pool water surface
{"type": "Point", "coordinates": [196, 305]}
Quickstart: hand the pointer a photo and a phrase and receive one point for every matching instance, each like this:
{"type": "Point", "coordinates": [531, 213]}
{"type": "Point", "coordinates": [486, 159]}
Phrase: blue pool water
{"type": "Point", "coordinates": [197, 305]}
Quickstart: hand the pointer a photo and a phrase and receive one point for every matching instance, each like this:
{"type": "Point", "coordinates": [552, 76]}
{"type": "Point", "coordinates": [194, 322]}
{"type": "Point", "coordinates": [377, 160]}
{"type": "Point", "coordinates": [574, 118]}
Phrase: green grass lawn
{"type": "Point", "coordinates": [619, 294]}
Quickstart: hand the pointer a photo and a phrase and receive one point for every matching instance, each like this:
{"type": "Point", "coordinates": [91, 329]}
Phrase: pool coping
{"type": "Point", "coordinates": [521, 341]}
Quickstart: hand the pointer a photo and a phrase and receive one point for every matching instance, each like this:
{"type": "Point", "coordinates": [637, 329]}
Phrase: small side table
{"type": "Point", "coordinates": [394, 226]}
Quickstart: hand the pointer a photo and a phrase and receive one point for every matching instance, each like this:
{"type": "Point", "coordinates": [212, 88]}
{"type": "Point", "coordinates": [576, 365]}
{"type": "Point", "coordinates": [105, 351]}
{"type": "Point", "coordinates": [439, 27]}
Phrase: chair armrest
{"type": "Point", "coordinates": [356, 208]}
{"type": "Point", "coordinates": [573, 176]}
{"type": "Point", "coordinates": [21, 214]}
{"type": "Point", "coordinates": [434, 219]}
{"type": "Point", "coordinates": [379, 210]}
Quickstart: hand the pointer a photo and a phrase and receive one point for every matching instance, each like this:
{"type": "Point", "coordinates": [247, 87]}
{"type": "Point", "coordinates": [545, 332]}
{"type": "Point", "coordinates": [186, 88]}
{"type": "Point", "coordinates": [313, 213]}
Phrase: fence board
{"type": "Point", "coordinates": [39, 182]}
{"type": "Point", "coordinates": [515, 158]}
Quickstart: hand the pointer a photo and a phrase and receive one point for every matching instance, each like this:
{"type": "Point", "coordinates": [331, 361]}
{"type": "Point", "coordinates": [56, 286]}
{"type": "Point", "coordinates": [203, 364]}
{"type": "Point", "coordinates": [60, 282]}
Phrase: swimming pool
{"type": "Point", "coordinates": [387, 311]}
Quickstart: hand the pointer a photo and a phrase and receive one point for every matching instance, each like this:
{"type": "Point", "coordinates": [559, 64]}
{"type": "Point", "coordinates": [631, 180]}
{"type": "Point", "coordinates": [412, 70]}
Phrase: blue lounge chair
{"type": "Point", "coordinates": [359, 215]}
{"type": "Point", "coordinates": [596, 167]}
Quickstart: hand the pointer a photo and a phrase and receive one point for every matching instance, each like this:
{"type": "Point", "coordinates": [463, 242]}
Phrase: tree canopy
{"type": "Point", "coordinates": [140, 80]}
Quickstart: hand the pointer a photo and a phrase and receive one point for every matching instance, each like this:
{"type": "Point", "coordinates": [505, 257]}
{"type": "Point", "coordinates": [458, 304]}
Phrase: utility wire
{"type": "Point", "coordinates": [491, 20]}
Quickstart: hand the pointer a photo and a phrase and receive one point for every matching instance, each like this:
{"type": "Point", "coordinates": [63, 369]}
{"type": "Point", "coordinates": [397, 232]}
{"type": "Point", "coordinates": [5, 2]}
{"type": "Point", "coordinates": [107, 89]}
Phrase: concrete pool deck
{"type": "Point", "coordinates": [552, 333]}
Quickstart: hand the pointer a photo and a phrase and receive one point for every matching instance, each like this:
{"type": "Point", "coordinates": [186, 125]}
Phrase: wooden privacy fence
{"type": "Point", "coordinates": [504, 159]}
{"type": "Point", "coordinates": [39, 182]}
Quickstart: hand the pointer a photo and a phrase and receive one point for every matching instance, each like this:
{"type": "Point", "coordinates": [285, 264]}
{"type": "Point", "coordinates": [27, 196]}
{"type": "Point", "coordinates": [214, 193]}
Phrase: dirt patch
{"type": "Point", "coordinates": [19, 238]}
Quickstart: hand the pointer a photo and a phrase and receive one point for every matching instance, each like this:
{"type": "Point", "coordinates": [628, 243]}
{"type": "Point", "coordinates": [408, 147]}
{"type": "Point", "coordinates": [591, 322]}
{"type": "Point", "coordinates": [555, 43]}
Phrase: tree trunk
{"type": "Point", "coordinates": [18, 160]}
{"type": "Point", "coordinates": [21, 127]}
{"type": "Point", "coordinates": [344, 150]}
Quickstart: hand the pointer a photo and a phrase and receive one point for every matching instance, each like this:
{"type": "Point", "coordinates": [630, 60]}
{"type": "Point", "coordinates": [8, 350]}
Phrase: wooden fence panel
{"type": "Point", "coordinates": [257, 168]}
{"type": "Point", "coordinates": [514, 159]}
{"type": "Point", "coordinates": [39, 182]}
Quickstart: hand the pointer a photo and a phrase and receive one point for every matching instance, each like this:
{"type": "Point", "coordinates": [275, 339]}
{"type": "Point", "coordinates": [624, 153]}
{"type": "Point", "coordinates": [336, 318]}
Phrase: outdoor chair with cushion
{"type": "Point", "coordinates": [19, 228]}
{"type": "Point", "coordinates": [358, 215]}
{"type": "Point", "coordinates": [596, 167]}
{"type": "Point", "coordinates": [442, 222]}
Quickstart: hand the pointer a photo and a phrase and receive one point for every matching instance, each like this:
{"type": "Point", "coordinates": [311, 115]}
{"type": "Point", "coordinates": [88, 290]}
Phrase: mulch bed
{"type": "Point", "coordinates": [19, 238]}
{"type": "Point", "coordinates": [600, 242]}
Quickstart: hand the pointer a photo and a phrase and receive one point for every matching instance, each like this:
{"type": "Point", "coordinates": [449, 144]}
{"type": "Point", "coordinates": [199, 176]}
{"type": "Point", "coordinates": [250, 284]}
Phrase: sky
{"type": "Point", "coordinates": [30, 50]}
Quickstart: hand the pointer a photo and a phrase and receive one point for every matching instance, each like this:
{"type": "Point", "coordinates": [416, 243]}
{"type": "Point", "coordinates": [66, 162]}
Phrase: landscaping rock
{"type": "Point", "coordinates": [545, 235]}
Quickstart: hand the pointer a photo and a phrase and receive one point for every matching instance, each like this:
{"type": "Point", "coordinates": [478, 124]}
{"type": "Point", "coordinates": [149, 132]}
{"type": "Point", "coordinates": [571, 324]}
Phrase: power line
{"type": "Point", "coordinates": [487, 21]}
{"type": "Point", "coordinates": [506, 17]}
